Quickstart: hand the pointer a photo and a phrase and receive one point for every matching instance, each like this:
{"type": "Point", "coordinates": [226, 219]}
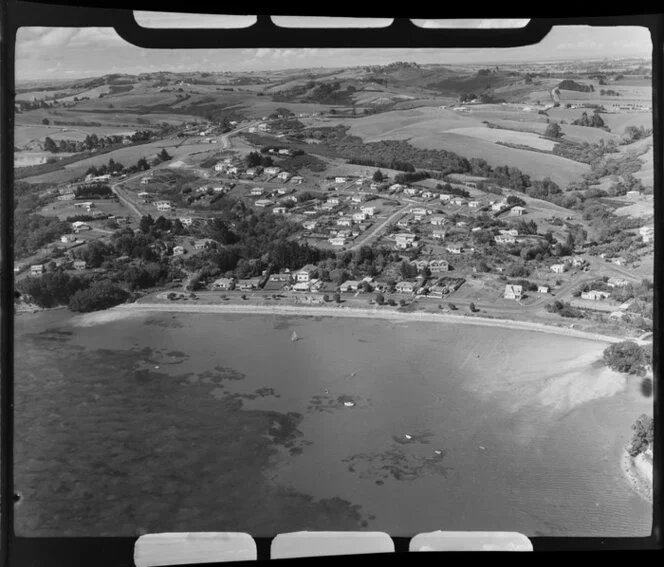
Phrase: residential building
{"type": "Point", "coordinates": [306, 273]}
{"type": "Point", "coordinates": [513, 292]}
{"type": "Point", "coordinates": [358, 198]}
{"type": "Point", "coordinates": [334, 202]}
{"type": "Point", "coordinates": [187, 221]}
{"type": "Point", "coordinates": [411, 191]}
{"type": "Point", "coordinates": [202, 243]}
{"type": "Point", "coordinates": [79, 264]}
{"type": "Point", "coordinates": [457, 201]}
{"type": "Point", "coordinates": [617, 282]}
{"type": "Point", "coordinates": [439, 266]}
{"type": "Point", "coordinates": [543, 289]}
{"type": "Point", "coordinates": [473, 204]}
{"type": "Point", "coordinates": [219, 167]}
{"type": "Point", "coordinates": [37, 269]}
{"type": "Point", "coordinates": [369, 211]}
{"type": "Point", "coordinates": [350, 285]}
{"type": "Point", "coordinates": [340, 180]}
{"type": "Point", "coordinates": [405, 287]}
{"type": "Point", "coordinates": [178, 250]}
{"type": "Point", "coordinates": [337, 241]}
{"type": "Point", "coordinates": [284, 176]}
{"type": "Point", "coordinates": [595, 295]}
{"type": "Point", "coordinates": [517, 210]}
{"type": "Point", "coordinates": [297, 179]}
{"type": "Point", "coordinates": [272, 170]}
{"type": "Point", "coordinates": [559, 268]}
{"type": "Point", "coordinates": [403, 222]}
{"type": "Point", "coordinates": [395, 187]}
{"type": "Point", "coordinates": [251, 172]}
{"type": "Point", "coordinates": [264, 203]}
{"type": "Point", "coordinates": [405, 240]}
{"type": "Point", "coordinates": [283, 277]}
{"type": "Point", "coordinates": [257, 191]}
{"type": "Point", "coordinates": [279, 210]}
{"type": "Point", "coordinates": [67, 238]}
{"type": "Point", "coordinates": [578, 261]}
{"type": "Point", "coordinates": [428, 195]}
{"type": "Point", "coordinates": [421, 211]}
{"type": "Point", "coordinates": [462, 223]}
{"type": "Point", "coordinates": [66, 197]}
{"type": "Point", "coordinates": [309, 225]}
{"type": "Point", "coordinates": [163, 205]}
{"type": "Point", "coordinates": [497, 207]}
{"type": "Point", "coordinates": [302, 287]}
{"type": "Point", "coordinates": [510, 232]}
{"type": "Point", "coordinates": [248, 284]}
{"type": "Point", "coordinates": [420, 264]}
{"type": "Point", "coordinates": [344, 221]}
{"type": "Point", "coordinates": [445, 197]}
{"type": "Point", "coordinates": [504, 239]}
{"type": "Point", "coordinates": [438, 220]}
{"type": "Point", "coordinates": [359, 217]}
{"type": "Point", "coordinates": [80, 225]}
{"type": "Point", "coordinates": [647, 233]}
{"type": "Point", "coordinates": [454, 249]}
{"type": "Point", "coordinates": [284, 152]}
{"type": "Point", "coordinates": [439, 234]}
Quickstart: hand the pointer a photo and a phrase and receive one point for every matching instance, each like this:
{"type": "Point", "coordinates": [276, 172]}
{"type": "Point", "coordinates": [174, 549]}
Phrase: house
{"type": "Point", "coordinates": [333, 202]}
{"type": "Point", "coordinates": [302, 287]}
{"type": "Point", "coordinates": [350, 285]}
{"type": "Point", "coordinates": [559, 268]}
{"type": "Point", "coordinates": [497, 207]}
{"type": "Point", "coordinates": [284, 176]}
{"type": "Point", "coordinates": [163, 205]}
{"type": "Point", "coordinates": [257, 191]}
{"type": "Point", "coordinates": [279, 210]}
{"type": "Point", "coordinates": [79, 265]}
{"type": "Point", "coordinates": [306, 273]}
{"type": "Point", "coordinates": [178, 250]}
{"type": "Point", "coordinates": [578, 261]}
{"type": "Point", "coordinates": [359, 217]}
{"type": "Point", "coordinates": [439, 234]}
{"type": "Point", "coordinates": [219, 166]}
{"type": "Point", "coordinates": [344, 221]}
{"type": "Point", "coordinates": [517, 210]}
{"type": "Point", "coordinates": [454, 249]}
{"type": "Point", "coordinates": [473, 204]}
{"type": "Point", "coordinates": [264, 203]}
{"type": "Point", "coordinates": [504, 239]}
{"type": "Point", "coordinates": [202, 189]}
{"type": "Point", "coordinates": [421, 211]}
{"type": "Point", "coordinates": [439, 266]}
{"type": "Point", "coordinates": [283, 277]}
{"type": "Point", "coordinates": [187, 221]}
{"type": "Point", "coordinates": [420, 264]}
{"type": "Point", "coordinates": [462, 223]}
{"type": "Point", "coordinates": [284, 152]}
{"type": "Point", "coordinates": [272, 170]}
{"type": "Point", "coordinates": [457, 201]}
{"type": "Point", "coordinates": [438, 220]}
{"type": "Point", "coordinates": [369, 211]}
{"type": "Point", "coordinates": [359, 198]}
{"type": "Point", "coordinates": [445, 197]}
{"type": "Point", "coordinates": [219, 189]}
{"type": "Point", "coordinates": [263, 127]}
{"type": "Point", "coordinates": [80, 225]}
{"type": "Point", "coordinates": [248, 284]}
{"type": "Point", "coordinates": [403, 222]}
{"type": "Point", "coordinates": [405, 240]}
{"type": "Point", "coordinates": [202, 243]}
{"type": "Point", "coordinates": [618, 261]}
{"type": "Point", "coordinates": [251, 172]}
{"type": "Point", "coordinates": [405, 287]}
{"type": "Point", "coordinates": [510, 232]}
{"type": "Point", "coordinates": [543, 289]}
{"type": "Point", "coordinates": [37, 269]}
{"type": "Point", "coordinates": [67, 197]}
{"type": "Point", "coordinates": [337, 241]}
{"type": "Point", "coordinates": [309, 225]}
{"type": "Point", "coordinates": [67, 238]}
{"type": "Point", "coordinates": [616, 282]}
{"type": "Point", "coordinates": [411, 191]}
{"type": "Point", "coordinates": [297, 179]}
{"type": "Point", "coordinates": [595, 295]}
{"type": "Point", "coordinates": [340, 180]}
{"type": "Point", "coordinates": [428, 195]}
{"type": "Point", "coordinates": [395, 187]}
{"type": "Point", "coordinates": [647, 233]}
{"type": "Point", "coordinates": [144, 195]}
{"type": "Point", "coordinates": [513, 292]}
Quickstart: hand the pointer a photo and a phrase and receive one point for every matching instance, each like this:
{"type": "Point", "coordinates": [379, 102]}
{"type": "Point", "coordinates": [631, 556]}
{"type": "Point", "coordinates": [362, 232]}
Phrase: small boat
{"type": "Point", "coordinates": [294, 337]}
{"type": "Point", "coordinates": [156, 367]}
{"type": "Point", "coordinates": [438, 452]}
{"type": "Point", "coordinates": [349, 404]}
{"type": "Point", "coordinates": [482, 448]}
{"type": "Point", "coordinates": [407, 436]}
{"type": "Point", "coordinates": [353, 373]}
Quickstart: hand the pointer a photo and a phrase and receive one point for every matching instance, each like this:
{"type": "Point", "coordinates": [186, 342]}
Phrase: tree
{"type": "Point", "coordinates": [50, 145]}
{"type": "Point", "coordinates": [337, 297]}
{"type": "Point", "coordinates": [642, 439]}
{"type": "Point", "coordinates": [146, 224]}
{"type": "Point", "coordinates": [472, 307]}
{"type": "Point", "coordinates": [380, 299]}
{"type": "Point", "coordinates": [46, 121]}
{"type": "Point", "coordinates": [378, 176]}
{"type": "Point", "coordinates": [164, 155]}
{"type": "Point", "coordinates": [553, 130]}
{"type": "Point", "coordinates": [626, 356]}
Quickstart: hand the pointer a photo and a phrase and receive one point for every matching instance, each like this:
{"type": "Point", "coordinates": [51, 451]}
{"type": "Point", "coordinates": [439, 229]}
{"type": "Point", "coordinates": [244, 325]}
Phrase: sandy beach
{"type": "Point", "coordinates": [127, 309]}
{"type": "Point", "coordinates": [635, 475]}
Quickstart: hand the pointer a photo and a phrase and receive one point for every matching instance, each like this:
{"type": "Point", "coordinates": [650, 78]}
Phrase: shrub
{"type": "Point", "coordinates": [627, 357]}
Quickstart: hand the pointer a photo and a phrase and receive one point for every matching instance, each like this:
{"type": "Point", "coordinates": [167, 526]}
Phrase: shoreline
{"type": "Point", "coordinates": [350, 312]}
{"type": "Point", "coordinates": [641, 485]}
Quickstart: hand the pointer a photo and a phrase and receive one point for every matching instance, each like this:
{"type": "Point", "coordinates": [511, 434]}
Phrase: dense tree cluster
{"type": "Point", "coordinates": [595, 122]}
{"type": "Point", "coordinates": [643, 436]}
{"type": "Point", "coordinates": [627, 357]}
{"type": "Point", "coordinates": [32, 231]}
{"type": "Point", "coordinates": [99, 295]}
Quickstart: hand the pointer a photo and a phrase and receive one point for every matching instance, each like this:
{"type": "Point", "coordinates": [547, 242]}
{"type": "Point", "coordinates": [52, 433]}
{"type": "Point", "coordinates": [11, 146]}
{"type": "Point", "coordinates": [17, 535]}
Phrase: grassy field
{"type": "Point", "coordinates": [64, 209]}
{"type": "Point", "coordinates": [510, 136]}
{"type": "Point", "coordinates": [535, 164]}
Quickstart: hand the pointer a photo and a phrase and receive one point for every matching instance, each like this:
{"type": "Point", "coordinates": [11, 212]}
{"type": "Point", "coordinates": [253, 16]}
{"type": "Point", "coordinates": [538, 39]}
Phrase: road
{"type": "Point", "coordinates": [375, 231]}
{"type": "Point", "coordinates": [125, 200]}
{"type": "Point", "coordinates": [225, 138]}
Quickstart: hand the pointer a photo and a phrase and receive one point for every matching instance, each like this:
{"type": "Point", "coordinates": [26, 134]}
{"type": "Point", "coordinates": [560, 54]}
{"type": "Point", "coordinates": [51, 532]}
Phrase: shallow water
{"type": "Point", "coordinates": [175, 422]}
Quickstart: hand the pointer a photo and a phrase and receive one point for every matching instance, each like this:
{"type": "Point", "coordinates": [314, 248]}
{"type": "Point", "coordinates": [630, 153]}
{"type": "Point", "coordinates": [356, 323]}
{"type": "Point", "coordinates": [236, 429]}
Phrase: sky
{"type": "Point", "coordinates": [70, 53]}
